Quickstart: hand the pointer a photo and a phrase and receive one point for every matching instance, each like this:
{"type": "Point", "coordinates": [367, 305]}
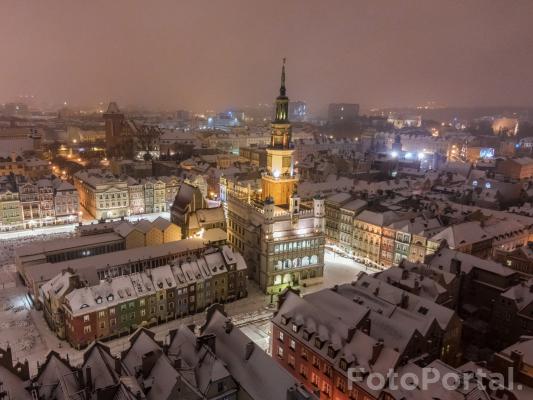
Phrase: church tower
{"type": "Point", "coordinates": [114, 120]}
{"type": "Point", "coordinates": [279, 182]}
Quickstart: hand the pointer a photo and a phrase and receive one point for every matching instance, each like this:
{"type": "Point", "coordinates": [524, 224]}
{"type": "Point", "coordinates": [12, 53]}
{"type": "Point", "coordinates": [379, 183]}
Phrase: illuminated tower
{"type": "Point", "coordinates": [114, 120]}
{"type": "Point", "coordinates": [279, 181]}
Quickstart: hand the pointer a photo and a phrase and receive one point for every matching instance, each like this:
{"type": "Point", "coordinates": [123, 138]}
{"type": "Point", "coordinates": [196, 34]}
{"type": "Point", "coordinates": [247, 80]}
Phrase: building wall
{"type": "Point", "coordinates": [134, 239]}
{"type": "Point", "coordinates": [312, 369]}
{"type": "Point", "coordinates": [171, 233]}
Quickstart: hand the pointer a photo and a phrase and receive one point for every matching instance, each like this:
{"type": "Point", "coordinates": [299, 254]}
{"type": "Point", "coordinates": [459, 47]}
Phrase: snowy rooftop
{"type": "Point", "coordinates": [56, 245]}
{"type": "Point", "coordinates": [442, 260]}
{"type": "Point", "coordinates": [87, 267]}
{"type": "Point", "coordinates": [258, 374]}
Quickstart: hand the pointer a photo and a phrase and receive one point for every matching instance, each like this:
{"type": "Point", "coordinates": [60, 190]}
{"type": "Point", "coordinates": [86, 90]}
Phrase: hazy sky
{"type": "Point", "coordinates": [213, 54]}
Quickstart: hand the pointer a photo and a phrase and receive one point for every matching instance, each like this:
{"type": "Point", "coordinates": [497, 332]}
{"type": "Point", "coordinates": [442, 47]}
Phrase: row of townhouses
{"type": "Point", "coordinates": [105, 195]}
{"type": "Point", "coordinates": [28, 204]}
{"type": "Point", "coordinates": [377, 235]}
{"type": "Point", "coordinates": [116, 306]}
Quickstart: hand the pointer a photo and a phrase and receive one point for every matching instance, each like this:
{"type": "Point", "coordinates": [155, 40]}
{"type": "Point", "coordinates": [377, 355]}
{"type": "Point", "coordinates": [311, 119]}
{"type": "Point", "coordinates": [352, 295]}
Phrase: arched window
{"type": "Point", "coordinates": [314, 259]}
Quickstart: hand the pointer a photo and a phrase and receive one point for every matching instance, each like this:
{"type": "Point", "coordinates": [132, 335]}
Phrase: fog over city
{"type": "Point", "coordinates": [216, 54]}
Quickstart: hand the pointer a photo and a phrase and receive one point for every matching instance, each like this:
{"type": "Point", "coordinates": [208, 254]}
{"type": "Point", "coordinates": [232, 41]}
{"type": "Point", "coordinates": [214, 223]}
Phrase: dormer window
{"type": "Point", "coordinates": [318, 343]}
{"type": "Point", "coordinates": [99, 300]}
{"type": "Point", "coordinates": [343, 364]}
{"type": "Point", "coordinates": [306, 334]}
{"type": "Point", "coordinates": [284, 319]}
{"type": "Point", "coordinates": [331, 352]}
{"type": "Point", "coordinates": [295, 328]}
{"type": "Point", "coordinates": [110, 297]}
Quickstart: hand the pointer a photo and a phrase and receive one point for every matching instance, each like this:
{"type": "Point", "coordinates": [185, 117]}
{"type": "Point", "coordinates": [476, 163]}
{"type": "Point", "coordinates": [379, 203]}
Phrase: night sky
{"type": "Point", "coordinates": [214, 54]}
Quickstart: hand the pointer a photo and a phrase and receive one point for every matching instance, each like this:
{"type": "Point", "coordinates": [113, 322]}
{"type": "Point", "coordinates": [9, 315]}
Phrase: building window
{"type": "Point", "coordinates": [280, 337]}
{"type": "Point", "coordinates": [87, 329]}
{"type": "Point", "coordinates": [303, 370]}
{"type": "Point", "coordinates": [314, 379]}
{"type": "Point", "coordinates": [326, 388]}
{"type": "Point", "coordinates": [292, 344]}
{"type": "Point", "coordinates": [280, 352]}
{"type": "Point", "coordinates": [291, 361]}
{"type": "Point", "coordinates": [304, 353]}
{"type": "Point", "coordinates": [341, 384]}
{"type": "Point", "coordinates": [86, 318]}
{"type": "Point", "coordinates": [343, 364]}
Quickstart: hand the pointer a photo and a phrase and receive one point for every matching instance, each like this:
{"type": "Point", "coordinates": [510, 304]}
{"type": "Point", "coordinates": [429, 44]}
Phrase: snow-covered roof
{"type": "Point", "coordinates": [443, 260]}
{"type": "Point", "coordinates": [260, 376]}
{"type": "Point", "coordinates": [458, 235]}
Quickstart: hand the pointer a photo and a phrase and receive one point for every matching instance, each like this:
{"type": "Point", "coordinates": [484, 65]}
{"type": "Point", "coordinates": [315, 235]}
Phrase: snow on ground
{"type": "Point", "coordinates": [338, 269]}
{"type": "Point", "coordinates": [49, 232]}
{"type": "Point", "coordinates": [8, 278]}
{"type": "Point", "coordinates": [44, 233]}
{"type": "Point", "coordinates": [17, 327]}
{"type": "Point", "coordinates": [150, 217]}
{"type": "Point", "coordinates": [9, 241]}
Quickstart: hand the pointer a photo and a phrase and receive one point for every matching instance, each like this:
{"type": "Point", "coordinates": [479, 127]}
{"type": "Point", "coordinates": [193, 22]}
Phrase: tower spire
{"type": "Point", "coordinates": [282, 101]}
{"type": "Point", "coordinates": [282, 89]}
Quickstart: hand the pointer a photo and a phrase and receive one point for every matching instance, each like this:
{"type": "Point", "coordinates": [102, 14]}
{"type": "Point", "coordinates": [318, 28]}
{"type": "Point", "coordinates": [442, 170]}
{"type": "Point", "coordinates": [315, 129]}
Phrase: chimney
{"type": "Point", "coordinates": [376, 291]}
{"type": "Point", "coordinates": [79, 377]}
{"type": "Point", "coordinates": [376, 351]}
{"type": "Point", "coordinates": [518, 360]}
{"type": "Point", "coordinates": [228, 326]}
{"type": "Point", "coordinates": [417, 287]}
{"type": "Point", "coordinates": [88, 378]}
{"type": "Point", "coordinates": [249, 350]}
{"type": "Point", "coordinates": [404, 302]}
{"type": "Point", "coordinates": [455, 266]}
{"type": "Point", "coordinates": [118, 365]}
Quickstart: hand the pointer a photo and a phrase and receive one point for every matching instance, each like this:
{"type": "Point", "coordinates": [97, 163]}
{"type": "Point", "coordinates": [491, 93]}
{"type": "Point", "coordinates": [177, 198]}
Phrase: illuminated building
{"type": "Point", "coordinates": [298, 110]}
{"type": "Point", "coordinates": [280, 236]}
{"type": "Point", "coordinates": [102, 195]}
{"type": "Point", "coordinates": [343, 113]}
